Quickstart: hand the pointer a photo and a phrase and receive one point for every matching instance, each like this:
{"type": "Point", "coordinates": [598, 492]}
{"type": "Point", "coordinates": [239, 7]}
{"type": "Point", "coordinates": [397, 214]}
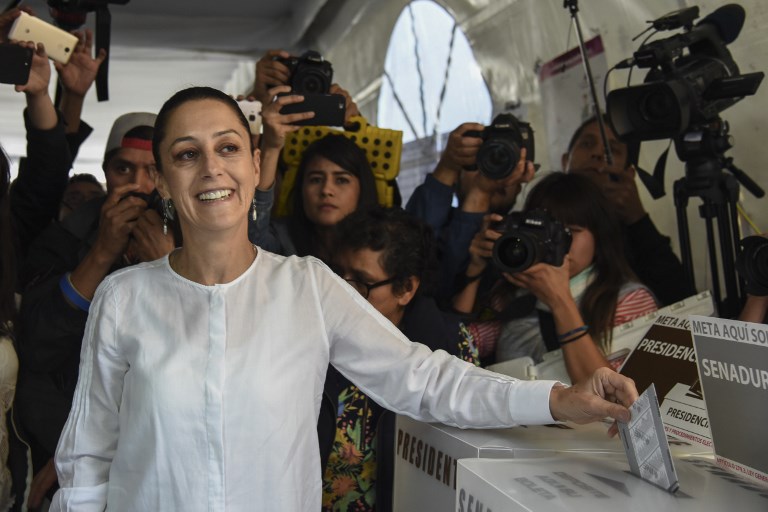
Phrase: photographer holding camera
{"type": "Point", "coordinates": [65, 265]}
{"type": "Point", "coordinates": [571, 284]}
{"type": "Point", "coordinates": [649, 252]}
{"type": "Point", "coordinates": [478, 193]}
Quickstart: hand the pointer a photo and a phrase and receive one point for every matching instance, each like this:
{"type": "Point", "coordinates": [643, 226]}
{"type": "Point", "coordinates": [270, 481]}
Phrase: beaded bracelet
{"type": "Point", "coordinates": [564, 336]}
{"type": "Point", "coordinates": [72, 295]}
{"type": "Point", "coordinates": [577, 337]}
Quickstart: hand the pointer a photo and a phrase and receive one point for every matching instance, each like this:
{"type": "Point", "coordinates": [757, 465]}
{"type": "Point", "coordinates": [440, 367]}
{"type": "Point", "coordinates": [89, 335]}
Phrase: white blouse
{"type": "Point", "coordinates": [195, 397]}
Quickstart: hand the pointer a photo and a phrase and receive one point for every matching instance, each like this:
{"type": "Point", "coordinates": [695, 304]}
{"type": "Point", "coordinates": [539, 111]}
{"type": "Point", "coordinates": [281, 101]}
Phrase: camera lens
{"type": "Point", "coordinates": [513, 254]}
{"type": "Point", "coordinates": [657, 106]}
{"type": "Point", "coordinates": [752, 264]}
{"type": "Point", "coordinates": [311, 81]}
{"type": "Point", "coordinates": [497, 158]}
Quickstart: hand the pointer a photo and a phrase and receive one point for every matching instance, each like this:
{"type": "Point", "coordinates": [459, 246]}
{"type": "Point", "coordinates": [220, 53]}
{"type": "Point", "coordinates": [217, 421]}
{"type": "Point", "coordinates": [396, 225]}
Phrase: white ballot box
{"type": "Point", "coordinates": [426, 454]}
{"type": "Point", "coordinates": [584, 482]}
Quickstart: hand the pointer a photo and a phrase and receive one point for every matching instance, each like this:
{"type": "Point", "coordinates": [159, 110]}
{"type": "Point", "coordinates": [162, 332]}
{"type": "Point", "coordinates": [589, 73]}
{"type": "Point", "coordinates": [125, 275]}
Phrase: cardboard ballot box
{"type": "Point", "coordinates": [426, 454]}
{"type": "Point", "coordinates": [577, 482]}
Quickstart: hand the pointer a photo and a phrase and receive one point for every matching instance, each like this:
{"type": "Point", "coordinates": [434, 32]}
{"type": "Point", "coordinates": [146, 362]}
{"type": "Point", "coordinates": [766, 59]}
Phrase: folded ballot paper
{"type": "Point", "coordinates": [646, 443]}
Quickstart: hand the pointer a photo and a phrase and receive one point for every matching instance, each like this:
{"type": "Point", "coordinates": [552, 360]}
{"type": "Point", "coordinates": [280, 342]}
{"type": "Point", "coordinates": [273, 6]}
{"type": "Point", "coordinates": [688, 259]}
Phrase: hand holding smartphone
{"type": "Point", "coordinates": [58, 43]}
{"type": "Point", "coordinates": [329, 109]}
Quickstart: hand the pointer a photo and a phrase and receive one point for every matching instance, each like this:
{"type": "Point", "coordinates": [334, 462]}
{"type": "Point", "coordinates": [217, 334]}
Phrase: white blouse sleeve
{"type": "Point", "coordinates": [410, 379]}
{"type": "Point", "coordinates": [89, 440]}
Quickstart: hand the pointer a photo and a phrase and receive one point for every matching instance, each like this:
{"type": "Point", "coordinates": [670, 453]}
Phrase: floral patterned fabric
{"type": "Point", "coordinates": [349, 483]}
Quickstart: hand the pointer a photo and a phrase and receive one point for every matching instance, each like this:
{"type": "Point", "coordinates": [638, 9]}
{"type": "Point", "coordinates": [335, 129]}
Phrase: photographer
{"type": "Point", "coordinates": [573, 306]}
{"type": "Point", "coordinates": [334, 179]}
{"type": "Point", "coordinates": [477, 194]}
{"type": "Point", "coordinates": [649, 252]}
{"type": "Point", "coordinates": [64, 267]}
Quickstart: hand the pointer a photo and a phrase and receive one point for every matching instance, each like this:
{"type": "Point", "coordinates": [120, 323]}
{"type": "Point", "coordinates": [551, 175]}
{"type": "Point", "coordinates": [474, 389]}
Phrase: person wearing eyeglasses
{"type": "Point", "coordinates": [388, 256]}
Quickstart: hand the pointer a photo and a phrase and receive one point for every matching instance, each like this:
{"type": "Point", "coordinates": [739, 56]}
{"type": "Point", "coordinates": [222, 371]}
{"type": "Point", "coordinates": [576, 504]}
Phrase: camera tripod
{"type": "Point", "coordinates": [702, 151]}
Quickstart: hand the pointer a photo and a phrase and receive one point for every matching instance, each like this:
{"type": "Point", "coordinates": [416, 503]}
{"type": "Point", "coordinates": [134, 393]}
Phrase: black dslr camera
{"type": "Point", "coordinates": [310, 73]}
{"type": "Point", "coordinates": [153, 199]}
{"type": "Point", "coordinates": [503, 141]}
{"type": "Point", "coordinates": [752, 264]}
{"type": "Point", "coordinates": [528, 238]}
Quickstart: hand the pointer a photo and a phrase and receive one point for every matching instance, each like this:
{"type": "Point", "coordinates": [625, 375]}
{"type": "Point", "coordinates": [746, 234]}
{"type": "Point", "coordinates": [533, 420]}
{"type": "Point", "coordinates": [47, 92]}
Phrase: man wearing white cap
{"type": "Point", "coordinates": [65, 266]}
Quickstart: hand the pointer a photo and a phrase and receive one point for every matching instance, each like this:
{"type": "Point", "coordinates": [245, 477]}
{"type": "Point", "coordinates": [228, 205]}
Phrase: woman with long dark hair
{"type": "Point", "coordinates": [573, 307]}
{"type": "Point", "coordinates": [333, 180]}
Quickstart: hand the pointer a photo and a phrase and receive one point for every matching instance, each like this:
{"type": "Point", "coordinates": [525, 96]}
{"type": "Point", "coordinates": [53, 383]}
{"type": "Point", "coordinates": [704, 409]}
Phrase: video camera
{"type": "Point", "coordinates": [682, 89]}
{"type": "Point", "coordinates": [310, 73]}
{"type": "Point", "coordinates": [752, 264]}
{"type": "Point", "coordinates": [503, 142]}
{"type": "Point", "coordinates": [528, 238]}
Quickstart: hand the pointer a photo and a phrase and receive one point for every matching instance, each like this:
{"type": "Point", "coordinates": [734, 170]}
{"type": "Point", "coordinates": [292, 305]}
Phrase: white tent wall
{"type": "Point", "coordinates": [508, 37]}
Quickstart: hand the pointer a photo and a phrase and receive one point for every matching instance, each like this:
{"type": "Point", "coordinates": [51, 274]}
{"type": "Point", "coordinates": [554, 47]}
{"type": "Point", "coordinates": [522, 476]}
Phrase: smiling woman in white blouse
{"type": "Point", "coordinates": [202, 372]}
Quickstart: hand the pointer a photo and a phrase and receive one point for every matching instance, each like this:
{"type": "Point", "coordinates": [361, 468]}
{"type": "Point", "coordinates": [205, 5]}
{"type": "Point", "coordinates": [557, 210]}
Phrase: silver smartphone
{"type": "Point", "coordinates": [58, 43]}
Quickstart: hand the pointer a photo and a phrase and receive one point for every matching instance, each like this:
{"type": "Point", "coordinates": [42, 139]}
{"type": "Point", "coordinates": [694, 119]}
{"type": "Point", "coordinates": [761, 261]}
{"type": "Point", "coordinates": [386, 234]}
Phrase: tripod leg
{"type": "Point", "coordinates": [681, 203]}
{"type": "Point", "coordinates": [708, 210]}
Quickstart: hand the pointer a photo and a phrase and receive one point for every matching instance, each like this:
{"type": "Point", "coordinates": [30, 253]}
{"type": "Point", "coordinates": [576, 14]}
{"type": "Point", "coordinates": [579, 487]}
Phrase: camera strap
{"type": "Point", "coordinates": [548, 330]}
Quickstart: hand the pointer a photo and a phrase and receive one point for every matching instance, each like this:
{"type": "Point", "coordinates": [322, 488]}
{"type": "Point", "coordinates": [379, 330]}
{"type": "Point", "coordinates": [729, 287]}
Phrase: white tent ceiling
{"type": "Point", "coordinates": [159, 47]}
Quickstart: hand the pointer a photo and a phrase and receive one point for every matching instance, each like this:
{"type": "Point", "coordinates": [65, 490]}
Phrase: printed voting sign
{"type": "Point", "coordinates": [665, 357]}
{"type": "Point", "coordinates": [732, 358]}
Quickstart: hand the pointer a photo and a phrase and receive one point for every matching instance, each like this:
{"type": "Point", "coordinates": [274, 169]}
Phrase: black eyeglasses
{"type": "Point", "coordinates": [364, 289]}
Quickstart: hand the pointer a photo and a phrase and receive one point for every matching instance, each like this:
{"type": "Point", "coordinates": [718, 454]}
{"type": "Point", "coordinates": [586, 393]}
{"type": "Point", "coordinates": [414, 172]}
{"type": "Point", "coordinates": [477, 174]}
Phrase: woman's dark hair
{"type": "Point", "coordinates": [7, 248]}
{"type": "Point", "coordinates": [185, 96]}
{"type": "Point", "coordinates": [346, 154]}
{"type": "Point", "coordinates": [407, 243]}
{"type": "Point", "coordinates": [575, 200]}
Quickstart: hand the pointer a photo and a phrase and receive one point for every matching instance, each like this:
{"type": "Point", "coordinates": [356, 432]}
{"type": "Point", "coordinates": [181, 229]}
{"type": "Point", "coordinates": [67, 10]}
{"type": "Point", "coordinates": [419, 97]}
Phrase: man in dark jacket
{"type": "Point", "coordinates": [64, 267]}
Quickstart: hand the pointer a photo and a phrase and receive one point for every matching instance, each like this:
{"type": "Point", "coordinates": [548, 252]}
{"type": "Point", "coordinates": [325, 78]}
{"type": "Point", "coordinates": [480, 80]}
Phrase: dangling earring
{"type": "Point", "coordinates": [254, 214]}
{"type": "Point", "coordinates": [168, 214]}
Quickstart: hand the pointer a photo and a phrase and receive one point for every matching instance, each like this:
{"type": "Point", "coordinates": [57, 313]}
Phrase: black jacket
{"type": "Point", "coordinates": [651, 258]}
{"type": "Point", "coordinates": [50, 330]}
